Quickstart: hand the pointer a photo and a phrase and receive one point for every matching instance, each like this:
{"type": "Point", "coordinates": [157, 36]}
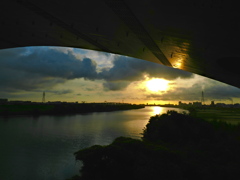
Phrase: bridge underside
{"type": "Point", "coordinates": [196, 36]}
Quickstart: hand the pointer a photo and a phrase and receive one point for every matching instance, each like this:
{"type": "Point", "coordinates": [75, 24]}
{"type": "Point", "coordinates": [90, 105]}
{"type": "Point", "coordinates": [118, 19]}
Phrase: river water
{"type": "Point", "coordinates": [41, 148]}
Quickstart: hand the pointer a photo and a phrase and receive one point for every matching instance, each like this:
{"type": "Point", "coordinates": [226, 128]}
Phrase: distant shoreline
{"type": "Point", "coordinates": [62, 109]}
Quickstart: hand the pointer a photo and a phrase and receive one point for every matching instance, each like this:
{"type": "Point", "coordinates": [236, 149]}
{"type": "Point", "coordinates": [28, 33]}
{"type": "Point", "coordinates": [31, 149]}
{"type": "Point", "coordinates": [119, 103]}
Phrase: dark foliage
{"type": "Point", "coordinates": [173, 146]}
{"type": "Point", "coordinates": [128, 158]}
{"type": "Point", "coordinates": [177, 128]}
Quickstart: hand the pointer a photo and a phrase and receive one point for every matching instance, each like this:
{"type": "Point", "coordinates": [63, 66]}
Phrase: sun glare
{"type": "Point", "coordinates": [157, 110]}
{"type": "Point", "coordinates": [157, 85]}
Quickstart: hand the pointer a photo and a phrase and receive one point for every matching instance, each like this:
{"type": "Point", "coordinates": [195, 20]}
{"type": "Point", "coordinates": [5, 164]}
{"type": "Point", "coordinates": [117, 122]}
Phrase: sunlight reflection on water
{"type": "Point", "coordinates": [138, 119]}
{"type": "Point", "coordinates": [161, 110]}
{"type": "Point", "coordinates": [157, 110]}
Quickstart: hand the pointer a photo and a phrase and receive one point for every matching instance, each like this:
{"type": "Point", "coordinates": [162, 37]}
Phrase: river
{"type": "Point", "coordinates": [41, 148]}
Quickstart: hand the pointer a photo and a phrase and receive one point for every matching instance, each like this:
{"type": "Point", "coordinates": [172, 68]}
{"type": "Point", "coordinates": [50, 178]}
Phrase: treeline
{"type": "Point", "coordinates": [173, 146]}
{"type": "Point", "coordinates": [59, 109]}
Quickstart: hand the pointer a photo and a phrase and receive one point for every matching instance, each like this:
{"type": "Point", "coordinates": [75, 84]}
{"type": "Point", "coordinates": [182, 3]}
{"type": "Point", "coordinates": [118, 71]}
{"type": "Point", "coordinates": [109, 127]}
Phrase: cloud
{"type": "Point", "coordinates": [61, 92]}
{"type": "Point", "coordinates": [14, 80]}
{"type": "Point", "coordinates": [213, 90]}
{"type": "Point", "coordinates": [35, 68]}
{"type": "Point", "coordinates": [103, 59]}
{"type": "Point", "coordinates": [115, 86]}
{"type": "Point", "coordinates": [130, 69]}
{"type": "Point", "coordinates": [54, 64]}
{"type": "Point", "coordinates": [224, 92]}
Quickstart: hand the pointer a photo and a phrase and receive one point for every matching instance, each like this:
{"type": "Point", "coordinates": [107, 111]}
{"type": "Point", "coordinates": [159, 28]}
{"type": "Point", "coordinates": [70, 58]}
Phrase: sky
{"type": "Point", "coordinates": [72, 74]}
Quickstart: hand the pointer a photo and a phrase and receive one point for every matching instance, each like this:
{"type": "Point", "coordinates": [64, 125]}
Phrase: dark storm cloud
{"type": "Point", "coordinates": [36, 68]}
{"type": "Point", "coordinates": [50, 62]}
{"type": "Point", "coordinates": [131, 69]}
{"type": "Point", "coordinates": [128, 69]}
{"type": "Point", "coordinates": [178, 94]}
{"type": "Point", "coordinates": [115, 86]}
{"type": "Point", "coordinates": [13, 80]}
{"type": "Point", "coordinates": [212, 91]}
{"type": "Point", "coordinates": [61, 92]}
{"type": "Point", "coordinates": [224, 92]}
{"type": "Point", "coordinates": [43, 67]}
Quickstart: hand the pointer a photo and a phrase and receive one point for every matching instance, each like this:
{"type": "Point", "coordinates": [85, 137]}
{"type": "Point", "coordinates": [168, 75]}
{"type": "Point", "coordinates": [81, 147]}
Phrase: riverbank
{"type": "Point", "coordinates": [190, 147]}
{"type": "Point", "coordinates": [228, 115]}
{"type": "Point", "coordinates": [63, 108]}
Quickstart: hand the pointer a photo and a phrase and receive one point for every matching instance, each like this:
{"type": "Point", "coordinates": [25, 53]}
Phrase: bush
{"type": "Point", "coordinates": [128, 158]}
{"type": "Point", "coordinates": [176, 128]}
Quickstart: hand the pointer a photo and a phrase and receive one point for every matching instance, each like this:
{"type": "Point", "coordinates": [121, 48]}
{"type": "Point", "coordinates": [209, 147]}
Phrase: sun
{"type": "Point", "coordinates": [157, 85]}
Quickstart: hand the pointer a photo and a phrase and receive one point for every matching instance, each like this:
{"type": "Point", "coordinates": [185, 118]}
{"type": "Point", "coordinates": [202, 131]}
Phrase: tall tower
{"type": "Point", "coordinates": [43, 97]}
{"type": "Point", "coordinates": [202, 100]}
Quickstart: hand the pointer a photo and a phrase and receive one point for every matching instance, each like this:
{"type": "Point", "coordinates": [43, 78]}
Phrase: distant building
{"type": "Point", "coordinates": [3, 101]}
{"type": "Point", "coordinates": [212, 103]}
{"type": "Point", "coordinates": [20, 102]}
{"type": "Point", "coordinates": [197, 104]}
{"type": "Point", "coordinates": [236, 105]}
{"type": "Point", "coordinates": [181, 104]}
{"type": "Point", "coordinates": [54, 102]}
{"type": "Point", "coordinates": [221, 105]}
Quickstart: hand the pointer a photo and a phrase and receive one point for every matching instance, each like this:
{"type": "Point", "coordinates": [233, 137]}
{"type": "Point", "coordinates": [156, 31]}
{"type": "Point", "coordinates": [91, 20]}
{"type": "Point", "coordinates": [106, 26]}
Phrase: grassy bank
{"type": "Point", "coordinates": [229, 115]}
